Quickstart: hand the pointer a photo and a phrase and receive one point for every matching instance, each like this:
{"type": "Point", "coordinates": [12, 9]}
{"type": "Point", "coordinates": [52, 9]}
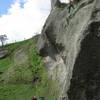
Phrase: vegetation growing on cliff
{"type": "Point", "coordinates": [22, 73]}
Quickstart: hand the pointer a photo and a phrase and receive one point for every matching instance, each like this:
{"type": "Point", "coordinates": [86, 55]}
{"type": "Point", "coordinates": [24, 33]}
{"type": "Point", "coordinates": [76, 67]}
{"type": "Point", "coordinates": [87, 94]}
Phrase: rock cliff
{"type": "Point", "coordinates": [70, 45]}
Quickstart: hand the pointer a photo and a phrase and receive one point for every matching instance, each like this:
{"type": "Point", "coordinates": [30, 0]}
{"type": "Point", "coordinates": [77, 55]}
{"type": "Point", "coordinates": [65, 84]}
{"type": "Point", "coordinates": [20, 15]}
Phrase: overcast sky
{"type": "Point", "coordinates": [20, 19]}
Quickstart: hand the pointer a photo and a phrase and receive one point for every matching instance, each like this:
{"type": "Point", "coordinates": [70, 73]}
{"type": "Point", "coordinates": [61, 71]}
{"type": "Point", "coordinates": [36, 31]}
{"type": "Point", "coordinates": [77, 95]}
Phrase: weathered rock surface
{"type": "Point", "coordinates": [3, 53]}
{"type": "Point", "coordinates": [70, 45]}
{"type": "Point", "coordinates": [20, 57]}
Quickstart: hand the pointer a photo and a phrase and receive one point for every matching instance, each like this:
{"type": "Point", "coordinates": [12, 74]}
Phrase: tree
{"type": "Point", "coordinates": [3, 38]}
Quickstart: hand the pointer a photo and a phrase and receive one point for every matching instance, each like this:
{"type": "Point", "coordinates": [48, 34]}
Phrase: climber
{"type": "Point", "coordinates": [70, 5]}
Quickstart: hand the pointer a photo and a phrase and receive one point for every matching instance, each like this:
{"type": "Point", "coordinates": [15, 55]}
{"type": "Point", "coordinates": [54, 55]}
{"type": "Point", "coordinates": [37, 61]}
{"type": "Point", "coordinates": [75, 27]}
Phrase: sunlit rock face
{"type": "Point", "coordinates": [70, 45]}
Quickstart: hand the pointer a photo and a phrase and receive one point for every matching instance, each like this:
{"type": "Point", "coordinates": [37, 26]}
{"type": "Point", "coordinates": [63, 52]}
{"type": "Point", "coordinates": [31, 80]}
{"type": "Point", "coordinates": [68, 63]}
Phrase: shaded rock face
{"type": "Point", "coordinates": [3, 53]}
{"type": "Point", "coordinates": [70, 45]}
{"type": "Point", "coordinates": [85, 82]}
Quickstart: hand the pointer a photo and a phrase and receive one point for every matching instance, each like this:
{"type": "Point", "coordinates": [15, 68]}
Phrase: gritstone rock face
{"type": "Point", "coordinates": [70, 45]}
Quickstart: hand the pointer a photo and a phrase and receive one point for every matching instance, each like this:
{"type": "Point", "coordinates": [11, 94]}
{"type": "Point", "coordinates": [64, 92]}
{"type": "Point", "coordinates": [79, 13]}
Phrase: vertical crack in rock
{"type": "Point", "coordinates": [85, 82]}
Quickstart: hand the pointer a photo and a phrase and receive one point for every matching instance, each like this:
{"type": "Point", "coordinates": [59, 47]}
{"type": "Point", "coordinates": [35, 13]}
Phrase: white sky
{"type": "Point", "coordinates": [20, 23]}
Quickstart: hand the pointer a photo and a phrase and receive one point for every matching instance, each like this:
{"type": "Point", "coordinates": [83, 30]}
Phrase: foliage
{"type": "Point", "coordinates": [20, 81]}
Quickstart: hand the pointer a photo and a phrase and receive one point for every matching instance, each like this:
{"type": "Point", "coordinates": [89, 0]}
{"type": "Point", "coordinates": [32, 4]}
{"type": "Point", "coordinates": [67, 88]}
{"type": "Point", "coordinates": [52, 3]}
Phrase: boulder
{"type": "Point", "coordinates": [3, 53]}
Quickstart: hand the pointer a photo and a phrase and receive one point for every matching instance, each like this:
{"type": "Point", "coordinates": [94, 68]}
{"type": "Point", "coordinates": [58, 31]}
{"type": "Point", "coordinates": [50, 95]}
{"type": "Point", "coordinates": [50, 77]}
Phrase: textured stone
{"type": "Point", "coordinates": [20, 57]}
{"type": "Point", "coordinates": [70, 45]}
{"type": "Point", "coordinates": [3, 53]}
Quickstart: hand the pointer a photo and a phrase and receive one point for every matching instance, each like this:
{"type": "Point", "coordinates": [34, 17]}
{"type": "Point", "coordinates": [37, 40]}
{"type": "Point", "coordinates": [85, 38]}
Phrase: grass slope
{"type": "Point", "coordinates": [23, 75]}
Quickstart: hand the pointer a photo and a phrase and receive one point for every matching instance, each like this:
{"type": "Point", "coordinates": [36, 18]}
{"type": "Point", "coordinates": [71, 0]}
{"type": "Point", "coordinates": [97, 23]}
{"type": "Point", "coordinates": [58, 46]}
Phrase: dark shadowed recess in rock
{"type": "Point", "coordinates": [52, 39]}
{"type": "Point", "coordinates": [85, 82]}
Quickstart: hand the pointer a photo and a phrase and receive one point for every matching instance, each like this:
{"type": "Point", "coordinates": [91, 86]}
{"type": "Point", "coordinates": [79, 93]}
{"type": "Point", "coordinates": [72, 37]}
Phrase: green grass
{"type": "Point", "coordinates": [22, 80]}
{"type": "Point", "coordinates": [25, 91]}
{"type": "Point", "coordinates": [4, 63]}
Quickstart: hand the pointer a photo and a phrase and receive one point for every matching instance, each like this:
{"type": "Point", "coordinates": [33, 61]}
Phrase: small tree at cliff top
{"type": "Point", "coordinates": [3, 38]}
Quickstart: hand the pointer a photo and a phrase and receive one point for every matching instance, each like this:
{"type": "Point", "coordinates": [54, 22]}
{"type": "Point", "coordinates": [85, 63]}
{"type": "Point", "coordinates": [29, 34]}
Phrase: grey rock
{"type": "Point", "coordinates": [18, 57]}
{"type": "Point", "coordinates": [3, 53]}
{"type": "Point", "coordinates": [70, 45]}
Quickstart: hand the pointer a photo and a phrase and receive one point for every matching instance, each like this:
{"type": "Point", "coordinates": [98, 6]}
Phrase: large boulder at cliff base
{"type": "Point", "coordinates": [3, 53]}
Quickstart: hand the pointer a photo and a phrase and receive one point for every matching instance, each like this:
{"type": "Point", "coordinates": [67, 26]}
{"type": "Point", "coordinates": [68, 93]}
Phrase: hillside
{"type": "Point", "coordinates": [22, 73]}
